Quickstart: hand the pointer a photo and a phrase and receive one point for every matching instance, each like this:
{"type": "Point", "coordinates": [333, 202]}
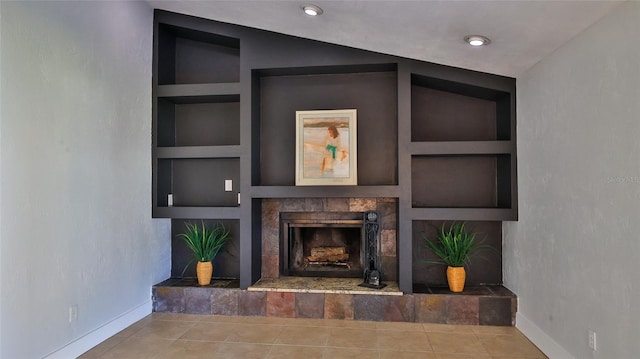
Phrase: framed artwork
{"type": "Point", "coordinates": [326, 148]}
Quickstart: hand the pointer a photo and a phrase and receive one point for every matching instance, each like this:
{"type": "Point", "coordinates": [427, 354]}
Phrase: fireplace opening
{"type": "Point", "coordinates": [322, 244]}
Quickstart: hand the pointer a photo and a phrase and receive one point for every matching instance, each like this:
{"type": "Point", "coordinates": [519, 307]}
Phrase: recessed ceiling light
{"type": "Point", "coordinates": [477, 40]}
{"type": "Point", "coordinates": [312, 10]}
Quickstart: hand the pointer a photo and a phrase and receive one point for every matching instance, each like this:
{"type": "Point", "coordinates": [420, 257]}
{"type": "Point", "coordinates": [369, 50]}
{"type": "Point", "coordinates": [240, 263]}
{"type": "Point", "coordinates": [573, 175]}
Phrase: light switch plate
{"type": "Point", "coordinates": [228, 185]}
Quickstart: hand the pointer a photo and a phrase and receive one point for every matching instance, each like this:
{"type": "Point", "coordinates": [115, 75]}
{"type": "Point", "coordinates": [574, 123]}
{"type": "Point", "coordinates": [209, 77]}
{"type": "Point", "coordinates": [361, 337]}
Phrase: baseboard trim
{"type": "Point", "coordinates": [84, 343]}
{"type": "Point", "coordinates": [538, 337]}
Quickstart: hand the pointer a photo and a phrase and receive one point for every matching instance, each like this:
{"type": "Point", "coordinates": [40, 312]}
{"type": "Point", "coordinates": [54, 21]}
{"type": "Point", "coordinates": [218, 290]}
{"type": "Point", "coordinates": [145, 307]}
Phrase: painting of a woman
{"type": "Point", "coordinates": [325, 146]}
{"type": "Point", "coordinates": [333, 150]}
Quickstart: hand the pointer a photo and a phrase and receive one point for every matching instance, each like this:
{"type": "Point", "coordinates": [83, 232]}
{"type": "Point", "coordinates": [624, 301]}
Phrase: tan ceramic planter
{"type": "Point", "coordinates": [204, 271]}
{"type": "Point", "coordinates": [456, 277]}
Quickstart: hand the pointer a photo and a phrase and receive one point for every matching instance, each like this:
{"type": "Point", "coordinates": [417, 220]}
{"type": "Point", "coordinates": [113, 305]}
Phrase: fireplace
{"type": "Point", "coordinates": [322, 244]}
{"type": "Point", "coordinates": [281, 216]}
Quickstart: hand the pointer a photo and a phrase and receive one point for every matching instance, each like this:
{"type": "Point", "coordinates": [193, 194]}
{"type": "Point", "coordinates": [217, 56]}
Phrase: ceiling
{"type": "Point", "coordinates": [522, 32]}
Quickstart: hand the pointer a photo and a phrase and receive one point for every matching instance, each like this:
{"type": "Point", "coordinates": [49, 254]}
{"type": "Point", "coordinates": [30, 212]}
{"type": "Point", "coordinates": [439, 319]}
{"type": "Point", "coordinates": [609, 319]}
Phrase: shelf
{"type": "Point", "coordinates": [461, 181]}
{"type": "Point", "coordinates": [187, 56]}
{"type": "Point", "coordinates": [209, 92]}
{"type": "Point", "coordinates": [461, 147]}
{"type": "Point", "coordinates": [198, 152]}
{"type": "Point", "coordinates": [198, 182]}
{"type": "Point", "coordinates": [324, 191]}
{"type": "Point", "coordinates": [463, 214]}
{"type": "Point", "coordinates": [198, 121]}
{"type": "Point", "coordinates": [197, 212]}
{"type": "Point", "coordinates": [448, 111]}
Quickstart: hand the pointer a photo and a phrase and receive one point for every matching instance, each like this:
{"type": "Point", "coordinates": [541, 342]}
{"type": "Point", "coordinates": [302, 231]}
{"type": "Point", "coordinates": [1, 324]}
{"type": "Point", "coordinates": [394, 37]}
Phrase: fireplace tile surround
{"type": "Point", "coordinates": [271, 209]}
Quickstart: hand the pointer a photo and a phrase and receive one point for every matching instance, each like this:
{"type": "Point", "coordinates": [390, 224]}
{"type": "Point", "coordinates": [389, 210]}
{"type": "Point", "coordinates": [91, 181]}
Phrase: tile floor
{"type": "Point", "coordinates": [184, 336]}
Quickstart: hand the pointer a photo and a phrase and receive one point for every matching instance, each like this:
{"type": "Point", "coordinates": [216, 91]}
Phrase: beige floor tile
{"type": "Point", "coordinates": [348, 323]}
{"type": "Point", "coordinates": [210, 331]}
{"type": "Point", "coordinates": [461, 356]}
{"type": "Point", "coordinates": [403, 341]}
{"type": "Point", "coordinates": [177, 317]}
{"type": "Point", "coordinates": [138, 348]}
{"type": "Point", "coordinates": [189, 336]}
{"type": "Point", "coordinates": [266, 320]}
{"type": "Point", "coordinates": [310, 336]}
{"type": "Point", "coordinates": [253, 333]}
{"type": "Point", "coordinates": [103, 347]}
{"type": "Point", "coordinates": [510, 345]}
{"type": "Point", "coordinates": [189, 349]}
{"type": "Point", "coordinates": [291, 352]}
{"type": "Point", "coordinates": [135, 327]}
{"type": "Point", "coordinates": [352, 338]}
{"type": "Point", "coordinates": [242, 350]}
{"type": "Point", "coordinates": [495, 330]}
{"type": "Point", "coordinates": [307, 322]}
{"type": "Point", "coordinates": [392, 354]}
{"type": "Point", "coordinates": [448, 328]}
{"type": "Point", "coordinates": [349, 353]}
{"type": "Point", "coordinates": [221, 319]}
{"type": "Point", "coordinates": [164, 329]}
{"type": "Point", "coordinates": [454, 343]}
{"type": "Point", "coordinates": [401, 326]}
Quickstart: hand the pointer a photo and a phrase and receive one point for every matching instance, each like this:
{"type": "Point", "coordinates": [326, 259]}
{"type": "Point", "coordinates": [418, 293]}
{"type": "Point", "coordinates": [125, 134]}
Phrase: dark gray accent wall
{"type": "Point", "coordinates": [440, 139]}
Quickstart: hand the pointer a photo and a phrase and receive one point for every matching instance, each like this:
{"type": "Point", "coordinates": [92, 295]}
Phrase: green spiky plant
{"type": "Point", "coordinates": [204, 242]}
{"type": "Point", "coordinates": [454, 246]}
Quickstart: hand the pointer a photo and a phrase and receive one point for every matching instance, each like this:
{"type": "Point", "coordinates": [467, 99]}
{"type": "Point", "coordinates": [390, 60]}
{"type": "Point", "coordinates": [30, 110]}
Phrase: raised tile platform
{"type": "Point", "coordinates": [482, 305]}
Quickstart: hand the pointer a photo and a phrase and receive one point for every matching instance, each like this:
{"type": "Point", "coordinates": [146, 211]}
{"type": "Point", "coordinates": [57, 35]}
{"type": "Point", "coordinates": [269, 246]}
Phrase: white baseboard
{"type": "Point", "coordinates": [97, 336]}
{"type": "Point", "coordinates": [543, 341]}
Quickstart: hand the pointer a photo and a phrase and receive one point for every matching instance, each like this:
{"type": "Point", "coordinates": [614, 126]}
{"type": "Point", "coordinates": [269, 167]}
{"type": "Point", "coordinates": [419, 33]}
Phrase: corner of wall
{"type": "Point", "coordinates": [538, 337]}
{"type": "Point", "coordinates": [1, 284]}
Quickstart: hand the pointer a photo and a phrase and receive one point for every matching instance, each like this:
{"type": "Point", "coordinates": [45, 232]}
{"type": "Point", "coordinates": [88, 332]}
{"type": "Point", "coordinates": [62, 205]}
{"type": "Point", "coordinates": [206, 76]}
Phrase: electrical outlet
{"type": "Point", "coordinates": [73, 313]}
{"type": "Point", "coordinates": [592, 340]}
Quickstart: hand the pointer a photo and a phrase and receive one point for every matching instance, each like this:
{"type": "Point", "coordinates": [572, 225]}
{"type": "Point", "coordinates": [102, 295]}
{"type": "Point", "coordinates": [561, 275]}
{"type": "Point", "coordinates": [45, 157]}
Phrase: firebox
{"type": "Point", "coordinates": [322, 244]}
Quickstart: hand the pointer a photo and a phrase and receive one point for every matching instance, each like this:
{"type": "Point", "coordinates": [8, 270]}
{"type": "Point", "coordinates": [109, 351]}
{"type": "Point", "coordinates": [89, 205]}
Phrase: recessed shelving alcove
{"type": "Point", "coordinates": [370, 89]}
{"type": "Point", "coordinates": [460, 181]}
{"type": "Point", "coordinates": [227, 262]}
{"type": "Point", "coordinates": [437, 142]}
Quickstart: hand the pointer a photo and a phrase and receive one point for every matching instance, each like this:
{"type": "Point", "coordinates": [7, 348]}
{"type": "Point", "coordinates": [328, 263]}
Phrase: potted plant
{"type": "Point", "coordinates": [205, 243]}
{"type": "Point", "coordinates": [454, 246]}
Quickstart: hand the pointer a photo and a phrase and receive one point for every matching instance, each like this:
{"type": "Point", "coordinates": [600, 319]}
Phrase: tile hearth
{"type": "Point", "coordinates": [480, 305]}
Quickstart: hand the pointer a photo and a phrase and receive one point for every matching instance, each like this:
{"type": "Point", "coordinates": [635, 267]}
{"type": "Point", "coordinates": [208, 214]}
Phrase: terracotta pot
{"type": "Point", "coordinates": [204, 271]}
{"type": "Point", "coordinates": [456, 277]}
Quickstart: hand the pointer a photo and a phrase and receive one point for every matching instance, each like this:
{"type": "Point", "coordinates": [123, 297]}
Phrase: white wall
{"type": "Point", "coordinates": [75, 147]}
{"type": "Point", "coordinates": [0, 177]}
{"type": "Point", "coordinates": [572, 258]}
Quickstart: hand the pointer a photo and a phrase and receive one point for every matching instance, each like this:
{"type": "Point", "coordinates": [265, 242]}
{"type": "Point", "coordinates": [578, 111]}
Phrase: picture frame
{"type": "Point", "coordinates": [326, 148]}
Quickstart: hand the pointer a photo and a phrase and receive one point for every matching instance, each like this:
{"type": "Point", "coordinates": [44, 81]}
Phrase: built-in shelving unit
{"type": "Point", "coordinates": [440, 140]}
{"type": "Point", "coordinates": [461, 150]}
{"type": "Point", "coordinates": [196, 122]}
